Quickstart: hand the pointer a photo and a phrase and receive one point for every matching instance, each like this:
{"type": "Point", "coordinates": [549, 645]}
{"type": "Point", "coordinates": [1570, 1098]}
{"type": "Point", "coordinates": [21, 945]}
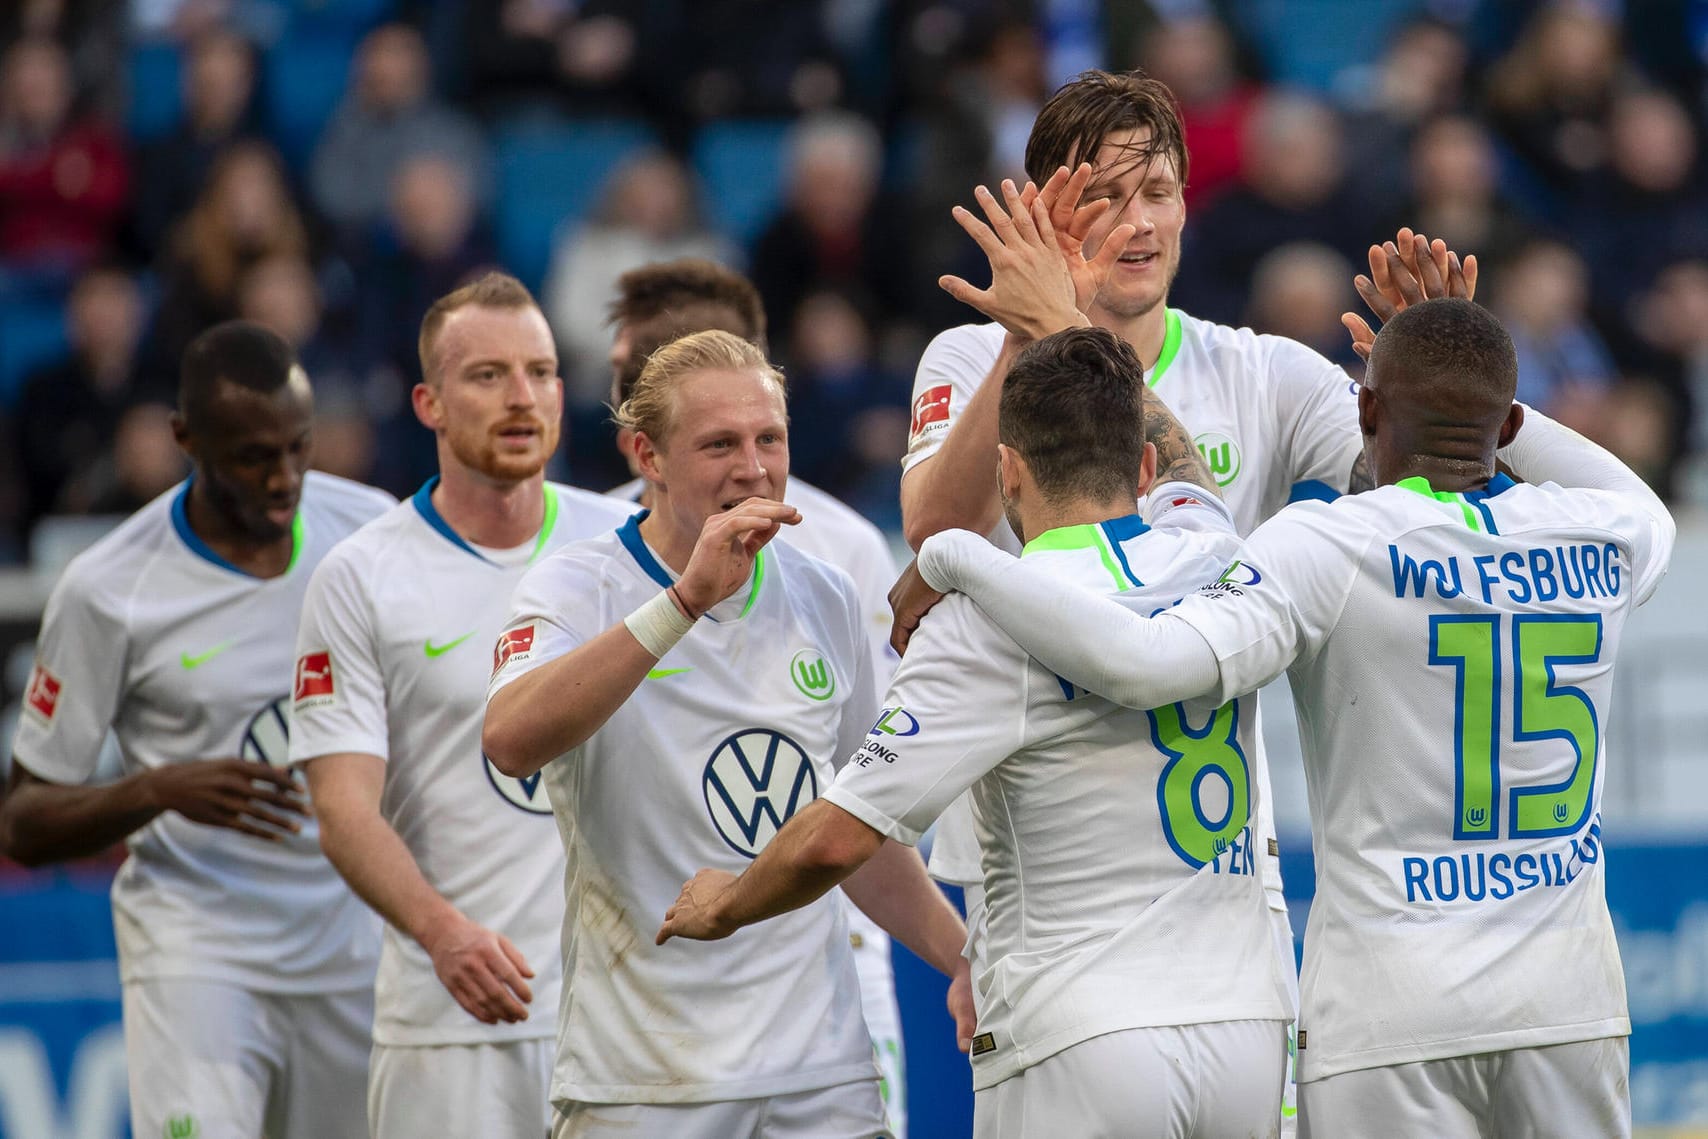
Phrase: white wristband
{"type": "Point", "coordinates": [658, 624]}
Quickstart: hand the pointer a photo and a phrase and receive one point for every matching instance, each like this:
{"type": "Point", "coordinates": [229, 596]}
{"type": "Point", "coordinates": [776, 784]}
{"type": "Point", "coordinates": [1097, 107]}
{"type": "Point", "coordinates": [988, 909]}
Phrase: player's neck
{"type": "Point", "coordinates": [258, 557]}
{"type": "Point", "coordinates": [485, 512]}
{"type": "Point", "coordinates": [661, 534]}
{"type": "Point", "coordinates": [1145, 332]}
{"type": "Point", "coordinates": [1449, 476]}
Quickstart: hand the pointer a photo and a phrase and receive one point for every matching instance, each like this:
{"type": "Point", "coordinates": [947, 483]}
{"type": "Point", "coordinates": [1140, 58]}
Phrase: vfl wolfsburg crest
{"type": "Point", "coordinates": [181, 1127]}
{"type": "Point", "coordinates": [811, 674]}
{"type": "Point", "coordinates": [1222, 454]}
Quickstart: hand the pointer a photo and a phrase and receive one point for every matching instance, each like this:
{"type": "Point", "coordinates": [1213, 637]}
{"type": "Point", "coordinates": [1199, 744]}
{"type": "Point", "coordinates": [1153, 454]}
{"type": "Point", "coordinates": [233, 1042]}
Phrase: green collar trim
{"type": "Point", "coordinates": [1170, 347]}
{"type": "Point", "coordinates": [759, 561]}
{"type": "Point", "coordinates": [1417, 484]}
{"type": "Point", "coordinates": [1082, 537]}
{"type": "Point", "coordinates": [296, 541]}
{"type": "Point", "coordinates": [547, 523]}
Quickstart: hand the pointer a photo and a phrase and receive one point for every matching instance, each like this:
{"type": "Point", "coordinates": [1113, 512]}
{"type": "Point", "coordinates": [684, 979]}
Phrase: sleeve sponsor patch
{"type": "Point", "coordinates": [41, 697]}
{"type": "Point", "coordinates": [513, 644]}
{"type": "Point", "coordinates": [314, 685]}
{"type": "Point", "coordinates": [931, 407]}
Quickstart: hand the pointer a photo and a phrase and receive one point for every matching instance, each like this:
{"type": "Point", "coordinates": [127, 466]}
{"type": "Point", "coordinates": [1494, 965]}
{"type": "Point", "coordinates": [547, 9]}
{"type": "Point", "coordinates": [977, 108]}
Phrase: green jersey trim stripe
{"type": "Point", "coordinates": [630, 536]}
{"type": "Point", "coordinates": [1417, 484]}
{"type": "Point", "coordinates": [1170, 347]}
{"type": "Point", "coordinates": [547, 524]}
{"type": "Point", "coordinates": [181, 525]}
{"type": "Point", "coordinates": [759, 561]}
{"type": "Point", "coordinates": [296, 541]}
{"type": "Point", "coordinates": [1087, 536]}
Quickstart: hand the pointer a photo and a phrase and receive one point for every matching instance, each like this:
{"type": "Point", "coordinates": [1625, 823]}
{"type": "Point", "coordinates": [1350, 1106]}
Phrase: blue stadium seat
{"type": "Point", "coordinates": [32, 335]}
{"type": "Point", "coordinates": [304, 75]}
{"type": "Point", "coordinates": [334, 15]}
{"type": "Point", "coordinates": [550, 174]}
{"type": "Point", "coordinates": [156, 94]}
{"type": "Point", "coordinates": [740, 166]}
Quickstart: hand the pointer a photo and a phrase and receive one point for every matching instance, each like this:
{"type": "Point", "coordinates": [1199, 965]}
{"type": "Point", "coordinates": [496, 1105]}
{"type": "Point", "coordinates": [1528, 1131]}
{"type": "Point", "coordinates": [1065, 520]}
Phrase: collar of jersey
{"type": "Point", "coordinates": [181, 523]}
{"type": "Point", "coordinates": [1104, 537]}
{"type": "Point", "coordinates": [1170, 347]}
{"type": "Point", "coordinates": [629, 534]}
{"type": "Point", "coordinates": [423, 502]}
{"type": "Point", "coordinates": [1472, 503]}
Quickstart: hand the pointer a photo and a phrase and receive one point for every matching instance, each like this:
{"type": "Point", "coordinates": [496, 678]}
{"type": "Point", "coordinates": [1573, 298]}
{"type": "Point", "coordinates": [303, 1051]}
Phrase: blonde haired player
{"type": "Point", "coordinates": [460, 859]}
{"type": "Point", "coordinates": [686, 685]}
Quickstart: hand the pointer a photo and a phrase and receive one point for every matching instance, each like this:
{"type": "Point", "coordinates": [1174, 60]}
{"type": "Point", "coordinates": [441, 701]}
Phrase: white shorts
{"type": "Point", "coordinates": [1282, 927]}
{"type": "Point", "coordinates": [1195, 1081]}
{"type": "Point", "coordinates": [1565, 1091]}
{"type": "Point", "coordinates": [883, 1019]}
{"type": "Point", "coordinates": [208, 1058]}
{"type": "Point", "coordinates": [498, 1090]}
{"type": "Point", "coordinates": [846, 1111]}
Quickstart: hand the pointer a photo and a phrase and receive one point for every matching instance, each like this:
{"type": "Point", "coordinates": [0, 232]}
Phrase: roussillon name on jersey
{"type": "Point", "coordinates": [1497, 876]}
{"type": "Point", "coordinates": [1535, 576]}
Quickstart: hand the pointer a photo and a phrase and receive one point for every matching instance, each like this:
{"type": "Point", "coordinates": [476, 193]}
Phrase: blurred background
{"type": "Point", "coordinates": [329, 167]}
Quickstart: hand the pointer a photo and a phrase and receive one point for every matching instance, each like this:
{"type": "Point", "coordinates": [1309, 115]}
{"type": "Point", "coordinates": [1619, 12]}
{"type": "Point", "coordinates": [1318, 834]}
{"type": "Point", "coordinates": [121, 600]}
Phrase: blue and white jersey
{"type": "Point", "coordinates": [1452, 659]}
{"type": "Point", "coordinates": [397, 630]}
{"type": "Point", "coordinates": [1120, 857]}
{"type": "Point", "coordinates": [739, 726]}
{"type": "Point", "coordinates": [185, 657]}
{"type": "Point", "coordinates": [1273, 419]}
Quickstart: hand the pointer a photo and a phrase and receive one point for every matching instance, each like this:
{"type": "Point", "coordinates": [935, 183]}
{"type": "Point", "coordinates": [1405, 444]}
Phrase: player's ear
{"type": "Point", "coordinates": [1514, 420]}
{"type": "Point", "coordinates": [1147, 470]}
{"type": "Point", "coordinates": [1366, 412]}
{"type": "Point", "coordinates": [424, 397]}
{"type": "Point", "coordinates": [1008, 467]}
{"type": "Point", "coordinates": [645, 456]}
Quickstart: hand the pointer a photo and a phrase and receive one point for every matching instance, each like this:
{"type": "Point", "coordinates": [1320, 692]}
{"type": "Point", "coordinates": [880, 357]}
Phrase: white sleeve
{"type": "Point", "coordinates": [1546, 451]}
{"type": "Point", "coordinates": [75, 688]}
{"type": "Point", "coordinates": [951, 369]}
{"type": "Point", "coordinates": [1187, 506]}
{"type": "Point", "coordinates": [1317, 414]}
{"type": "Point", "coordinates": [955, 854]}
{"type": "Point", "coordinates": [337, 625]}
{"type": "Point", "coordinates": [934, 737]}
{"type": "Point", "coordinates": [537, 631]}
{"type": "Point", "coordinates": [1090, 639]}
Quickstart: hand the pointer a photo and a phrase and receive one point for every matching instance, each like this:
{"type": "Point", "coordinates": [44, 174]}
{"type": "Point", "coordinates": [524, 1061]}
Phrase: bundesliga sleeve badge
{"type": "Point", "coordinates": [513, 644]}
{"type": "Point", "coordinates": [930, 408]}
{"type": "Point", "coordinates": [314, 686]}
{"type": "Point", "coordinates": [41, 697]}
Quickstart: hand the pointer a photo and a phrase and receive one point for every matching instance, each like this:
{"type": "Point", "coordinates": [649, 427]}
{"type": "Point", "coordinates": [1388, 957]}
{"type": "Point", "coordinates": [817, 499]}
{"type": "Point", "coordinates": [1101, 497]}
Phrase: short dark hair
{"type": "Point", "coordinates": [1449, 357]}
{"type": "Point", "coordinates": [1073, 407]}
{"type": "Point", "coordinates": [1082, 114]}
{"type": "Point", "coordinates": [667, 300]}
{"type": "Point", "coordinates": [237, 352]}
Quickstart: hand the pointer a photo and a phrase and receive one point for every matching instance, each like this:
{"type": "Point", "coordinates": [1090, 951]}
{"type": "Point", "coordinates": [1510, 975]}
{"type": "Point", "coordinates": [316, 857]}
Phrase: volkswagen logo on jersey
{"type": "Point", "coordinates": [754, 783]}
{"type": "Point", "coordinates": [267, 739]}
{"type": "Point", "coordinates": [1222, 455]}
{"type": "Point", "coordinates": [528, 794]}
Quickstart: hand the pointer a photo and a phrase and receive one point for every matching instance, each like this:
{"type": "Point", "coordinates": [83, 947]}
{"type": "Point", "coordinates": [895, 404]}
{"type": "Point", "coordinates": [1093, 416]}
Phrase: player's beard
{"type": "Point", "coordinates": [483, 454]}
{"type": "Point", "coordinates": [1128, 308]}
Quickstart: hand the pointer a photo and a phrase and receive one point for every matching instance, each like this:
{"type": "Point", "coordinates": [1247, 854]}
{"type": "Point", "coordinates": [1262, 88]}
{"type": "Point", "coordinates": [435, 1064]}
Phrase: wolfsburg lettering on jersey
{"type": "Point", "coordinates": [1494, 877]}
{"type": "Point", "coordinates": [1523, 577]}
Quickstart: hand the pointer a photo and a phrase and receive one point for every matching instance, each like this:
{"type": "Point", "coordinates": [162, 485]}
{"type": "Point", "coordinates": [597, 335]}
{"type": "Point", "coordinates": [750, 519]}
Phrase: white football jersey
{"type": "Point", "coordinates": [185, 657]}
{"type": "Point", "coordinates": [1121, 866]}
{"type": "Point", "coordinates": [396, 630]}
{"type": "Point", "coordinates": [738, 727]}
{"type": "Point", "coordinates": [1273, 419]}
{"type": "Point", "coordinates": [1454, 669]}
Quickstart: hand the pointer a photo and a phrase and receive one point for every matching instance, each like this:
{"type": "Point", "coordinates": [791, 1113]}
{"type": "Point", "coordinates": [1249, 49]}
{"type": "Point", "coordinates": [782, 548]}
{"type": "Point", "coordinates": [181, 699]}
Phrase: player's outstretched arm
{"type": "Point", "coordinates": [479, 967]}
{"type": "Point", "coordinates": [956, 487]}
{"type": "Point", "coordinates": [816, 850]}
{"type": "Point", "coordinates": [43, 822]}
{"type": "Point", "coordinates": [558, 706]}
{"type": "Point", "coordinates": [1404, 271]}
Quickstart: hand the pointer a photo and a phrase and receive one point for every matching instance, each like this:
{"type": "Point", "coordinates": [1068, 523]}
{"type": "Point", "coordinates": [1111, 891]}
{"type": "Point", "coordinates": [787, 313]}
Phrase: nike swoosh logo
{"type": "Point", "coordinates": [661, 673]}
{"type": "Point", "coordinates": [433, 650]}
{"type": "Point", "coordinates": [197, 660]}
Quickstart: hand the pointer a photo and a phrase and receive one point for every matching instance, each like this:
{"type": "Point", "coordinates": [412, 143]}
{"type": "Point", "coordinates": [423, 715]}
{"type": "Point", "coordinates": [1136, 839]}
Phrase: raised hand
{"type": "Point", "coordinates": [692, 914]}
{"type": "Point", "coordinates": [722, 560]}
{"type": "Point", "coordinates": [1032, 291]}
{"type": "Point", "coordinates": [1409, 269]}
{"type": "Point", "coordinates": [255, 798]}
{"type": "Point", "coordinates": [1071, 222]}
{"type": "Point", "coordinates": [480, 968]}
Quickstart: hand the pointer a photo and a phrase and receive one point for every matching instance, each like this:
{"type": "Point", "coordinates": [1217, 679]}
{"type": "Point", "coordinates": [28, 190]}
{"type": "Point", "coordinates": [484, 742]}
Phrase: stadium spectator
{"type": "Point", "coordinates": [282, 293]}
{"type": "Point", "coordinates": [584, 58]}
{"type": "Point", "coordinates": [1293, 188]}
{"type": "Point", "coordinates": [832, 231]}
{"type": "Point", "coordinates": [1454, 191]}
{"type": "Point", "coordinates": [64, 180]}
{"type": "Point", "coordinates": [243, 215]}
{"type": "Point", "coordinates": [1194, 56]}
{"type": "Point", "coordinates": [1564, 366]}
{"type": "Point", "coordinates": [647, 213]}
{"type": "Point", "coordinates": [1648, 205]}
{"type": "Point", "coordinates": [68, 412]}
{"type": "Point", "coordinates": [388, 117]}
{"type": "Point", "coordinates": [143, 462]}
{"type": "Point", "coordinates": [1420, 76]}
{"type": "Point", "coordinates": [219, 88]}
{"type": "Point", "coordinates": [1298, 291]}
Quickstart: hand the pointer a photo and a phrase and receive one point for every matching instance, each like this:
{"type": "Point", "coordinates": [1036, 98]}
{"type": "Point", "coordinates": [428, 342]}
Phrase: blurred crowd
{"type": "Point", "coordinates": [328, 167]}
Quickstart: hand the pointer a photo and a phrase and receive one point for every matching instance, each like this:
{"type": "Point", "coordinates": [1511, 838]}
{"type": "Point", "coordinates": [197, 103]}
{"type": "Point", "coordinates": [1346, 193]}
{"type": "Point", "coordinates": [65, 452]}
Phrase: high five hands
{"type": "Point", "coordinates": [1409, 269]}
{"type": "Point", "coordinates": [1041, 280]}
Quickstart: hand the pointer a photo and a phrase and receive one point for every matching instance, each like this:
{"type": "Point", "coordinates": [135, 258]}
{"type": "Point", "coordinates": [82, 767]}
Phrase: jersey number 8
{"type": "Point", "coordinates": [1200, 763]}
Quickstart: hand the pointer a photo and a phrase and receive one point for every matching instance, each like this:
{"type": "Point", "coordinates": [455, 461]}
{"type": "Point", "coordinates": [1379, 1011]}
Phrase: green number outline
{"type": "Point", "coordinates": [1191, 756]}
